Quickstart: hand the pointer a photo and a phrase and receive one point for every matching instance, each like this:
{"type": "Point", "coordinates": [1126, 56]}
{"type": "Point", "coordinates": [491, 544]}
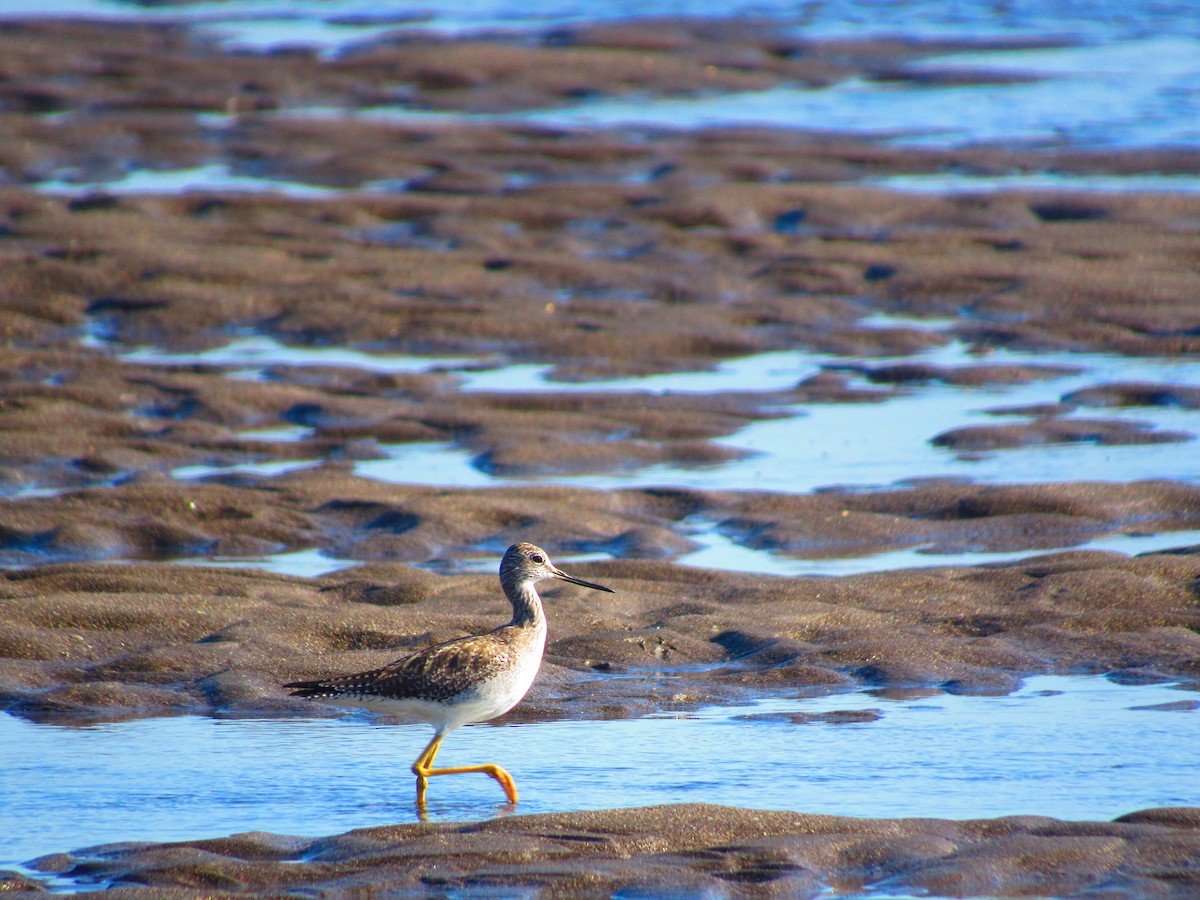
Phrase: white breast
{"type": "Point", "coordinates": [485, 701]}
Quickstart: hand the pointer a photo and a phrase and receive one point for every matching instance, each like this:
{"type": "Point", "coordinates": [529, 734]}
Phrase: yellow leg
{"type": "Point", "coordinates": [424, 770]}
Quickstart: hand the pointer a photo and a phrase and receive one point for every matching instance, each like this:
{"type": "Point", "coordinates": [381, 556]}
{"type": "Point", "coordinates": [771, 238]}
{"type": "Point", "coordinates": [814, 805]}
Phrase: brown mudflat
{"type": "Point", "coordinates": [598, 254]}
{"type": "Point", "coordinates": [691, 850]}
{"type": "Point", "coordinates": [146, 638]}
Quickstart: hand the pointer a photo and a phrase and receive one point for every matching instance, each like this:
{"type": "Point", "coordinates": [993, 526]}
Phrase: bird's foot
{"type": "Point", "coordinates": [505, 780]}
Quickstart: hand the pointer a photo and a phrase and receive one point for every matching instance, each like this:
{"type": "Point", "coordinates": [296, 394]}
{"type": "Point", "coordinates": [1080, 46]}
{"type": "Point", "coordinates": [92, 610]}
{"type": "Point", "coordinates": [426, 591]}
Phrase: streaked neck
{"type": "Point", "coordinates": [526, 604]}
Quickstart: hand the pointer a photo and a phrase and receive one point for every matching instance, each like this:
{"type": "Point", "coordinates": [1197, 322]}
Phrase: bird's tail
{"type": "Point", "coordinates": [310, 689]}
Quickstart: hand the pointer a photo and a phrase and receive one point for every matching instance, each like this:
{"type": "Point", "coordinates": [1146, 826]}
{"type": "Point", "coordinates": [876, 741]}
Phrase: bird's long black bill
{"type": "Point", "coordinates": [587, 584]}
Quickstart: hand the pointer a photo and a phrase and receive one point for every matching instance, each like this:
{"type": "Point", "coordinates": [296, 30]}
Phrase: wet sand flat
{"type": "Point", "coordinates": [600, 254]}
{"type": "Point", "coordinates": [142, 639]}
{"type": "Point", "coordinates": [685, 849]}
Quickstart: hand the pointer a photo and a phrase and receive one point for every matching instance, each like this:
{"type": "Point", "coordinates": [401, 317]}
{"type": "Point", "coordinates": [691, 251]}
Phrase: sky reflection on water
{"type": "Point", "coordinates": [1073, 747]}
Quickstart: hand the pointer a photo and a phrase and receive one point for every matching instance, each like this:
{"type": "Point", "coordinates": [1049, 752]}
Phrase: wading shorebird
{"type": "Point", "coordinates": [465, 680]}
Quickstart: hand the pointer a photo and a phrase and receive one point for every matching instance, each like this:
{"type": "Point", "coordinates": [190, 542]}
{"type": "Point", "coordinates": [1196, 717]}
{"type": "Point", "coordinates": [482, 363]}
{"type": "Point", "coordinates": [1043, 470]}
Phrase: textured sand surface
{"type": "Point", "coordinates": [599, 254]}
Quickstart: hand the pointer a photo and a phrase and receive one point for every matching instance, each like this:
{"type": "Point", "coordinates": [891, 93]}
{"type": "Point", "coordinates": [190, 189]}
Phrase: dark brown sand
{"type": "Point", "coordinates": [138, 639]}
{"type": "Point", "coordinates": [599, 254]}
{"type": "Point", "coordinates": [686, 850]}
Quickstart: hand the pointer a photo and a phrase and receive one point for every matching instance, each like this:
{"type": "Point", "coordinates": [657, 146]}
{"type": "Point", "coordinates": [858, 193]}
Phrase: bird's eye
{"type": "Point", "coordinates": [537, 558]}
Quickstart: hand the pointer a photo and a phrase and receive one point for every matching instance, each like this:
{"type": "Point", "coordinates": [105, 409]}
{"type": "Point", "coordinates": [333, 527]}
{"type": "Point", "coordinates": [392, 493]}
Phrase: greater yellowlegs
{"type": "Point", "coordinates": [469, 679]}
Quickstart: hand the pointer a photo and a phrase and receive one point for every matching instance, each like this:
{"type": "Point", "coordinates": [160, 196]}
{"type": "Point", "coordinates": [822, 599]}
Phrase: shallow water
{"type": "Point", "coordinates": [963, 183]}
{"type": "Point", "coordinates": [717, 551]}
{"type": "Point", "coordinates": [720, 552]}
{"type": "Point", "coordinates": [212, 177]}
{"type": "Point", "coordinates": [814, 446]}
{"type": "Point", "coordinates": [266, 467]}
{"type": "Point", "coordinates": [818, 445]}
{"type": "Point", "coordinates": [309, 563]}
{"type": "Point", "coordinates": [939, 755]}
{"type": "Point", "coordinates": [1127, 80]}
{"type": "Point", "coordinates": [1133, 83]}
{"type": "Point", "coordinates": [252, 354]}
{"type": "Point", "coordinates": [758, 373]}
{"type": "Point", "coordinates": [838, 444]}
{"type": "Point", "coordinates": [262, 24]}
{"type": "Point", "coordinates": [1132, 94]}
{"type": "Point", "coordinates": [1141, 93]}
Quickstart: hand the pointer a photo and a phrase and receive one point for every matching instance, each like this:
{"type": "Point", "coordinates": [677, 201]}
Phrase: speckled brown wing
{"type": "Point", "coordinates": [435, 673]}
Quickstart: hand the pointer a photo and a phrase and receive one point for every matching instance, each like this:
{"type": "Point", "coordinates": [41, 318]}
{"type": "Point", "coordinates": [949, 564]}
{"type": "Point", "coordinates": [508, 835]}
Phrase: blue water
{"type": "Point", "coordinates": [812, 446]}
{"type": "Point", "coordinates": [815, 445]}
{"type": "Point", "coordinates": [1073, 747]}
{"type": "Point", "coordinates": [1126, 74]}
{"type": "Point", "coordinates": [1136, 93]}
{"type": "Point", "coordinates": [838, 444]}
{"type": "Point", "coordinates": [331, 22]}
{"type": "Point", "coordinates": [1127, 77]}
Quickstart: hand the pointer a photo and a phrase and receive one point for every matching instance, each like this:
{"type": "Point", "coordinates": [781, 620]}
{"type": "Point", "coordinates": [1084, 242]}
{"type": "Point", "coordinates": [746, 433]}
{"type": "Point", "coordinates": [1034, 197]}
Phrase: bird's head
{"type": "Point", "coordinates": [526, 562]}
